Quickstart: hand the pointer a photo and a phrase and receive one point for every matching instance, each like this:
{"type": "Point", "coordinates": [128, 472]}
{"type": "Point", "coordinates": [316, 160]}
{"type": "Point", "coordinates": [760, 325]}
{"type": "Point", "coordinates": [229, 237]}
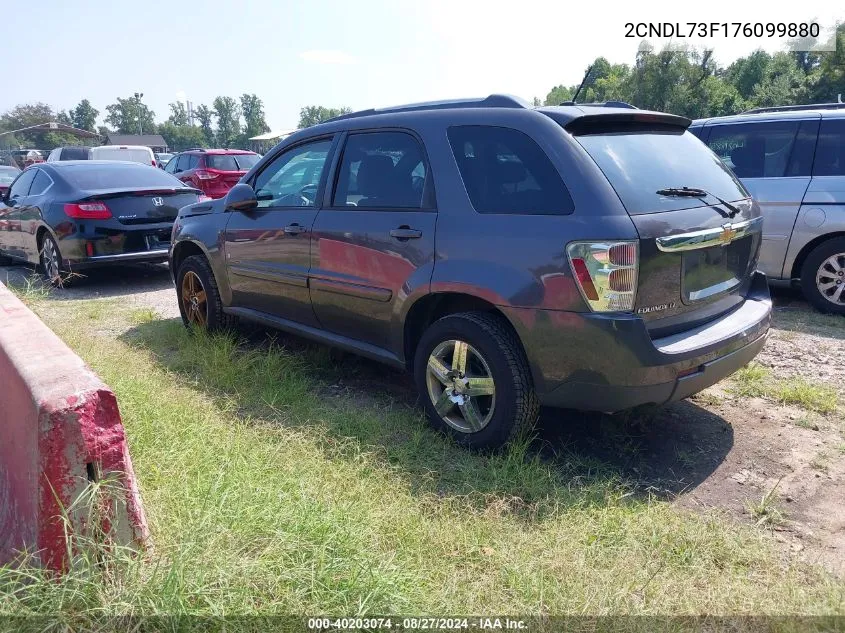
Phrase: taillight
{"type": "Point", "coordinates": [606, 273]}
{"type": "Point", "coordinates": [88, 211]}
{"type": "Point", "coordinates": [205, 175]}
{"type": "Point", "coordinates": [154, 164]}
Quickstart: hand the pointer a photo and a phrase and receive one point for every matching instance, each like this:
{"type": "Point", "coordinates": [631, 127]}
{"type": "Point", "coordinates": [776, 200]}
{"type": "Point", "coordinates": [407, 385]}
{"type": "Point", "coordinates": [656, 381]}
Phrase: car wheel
{"type": "Point", "coordinates": [823, 276]}
{"type": "Point", "coordinates": [474, 380]}
{"type": "Point", "coordinates": [51, 263]}
{"type": "Point", "coordinates": [199, 298]}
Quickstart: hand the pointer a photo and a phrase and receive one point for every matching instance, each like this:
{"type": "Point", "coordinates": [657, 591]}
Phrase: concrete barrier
{"type": "Point", "coordinates": [60, 429]}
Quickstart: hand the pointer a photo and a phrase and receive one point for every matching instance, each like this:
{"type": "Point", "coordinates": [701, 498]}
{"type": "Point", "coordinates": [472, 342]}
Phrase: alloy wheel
{"type": "Point", "coordinates": [194, 299]}
{"type": "Point", "coordinates": [460, 385]}
{"type": "Point", "coordinates": [50, 260]}
{"type": "Point", "coordinates": [830, 279]}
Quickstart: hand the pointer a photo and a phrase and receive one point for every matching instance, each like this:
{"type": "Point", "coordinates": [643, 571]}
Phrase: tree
{"type": "Point", "coordinates": [253, 112]}
{"type": "Point", "coordinates": [312, 115]}
{"type": "Point", "coordinates": [182, 137]}
{"type": "Point", "coordinates": [178, 114]}
{"type": "Point", "coordinates": [204, 115]}
{"type": "Point", "coordinates": [84, 116]}
{"type": "Point", "coordinates": [228, 115]}
{"type": "Point", "coordinates": [125, 114]}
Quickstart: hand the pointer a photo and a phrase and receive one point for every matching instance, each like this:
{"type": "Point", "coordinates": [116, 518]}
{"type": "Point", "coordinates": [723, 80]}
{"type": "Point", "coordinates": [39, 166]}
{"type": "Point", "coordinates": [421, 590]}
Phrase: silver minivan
{"type": "Point", "coordinates": [792, 161]}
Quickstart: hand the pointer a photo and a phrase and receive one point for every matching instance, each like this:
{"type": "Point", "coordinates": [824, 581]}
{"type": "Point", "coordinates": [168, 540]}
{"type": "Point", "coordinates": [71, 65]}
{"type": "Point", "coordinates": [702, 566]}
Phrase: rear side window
{"type": "Point", "coordinates": [765, 150]}
{"type": "Point", "coordinates": [641, 161]}
{"type": "Point", "coordinates": [830, 152]}
{"type": "Point", "coordinates": [381, 170]}
{"type": "Point", "coordinates": [40, 184]}
{"type": "Point", "coordinates": [505, 171]}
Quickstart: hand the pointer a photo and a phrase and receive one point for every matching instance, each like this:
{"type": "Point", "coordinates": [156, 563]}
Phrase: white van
{"type": "Point", "coordinates": [131, 153]}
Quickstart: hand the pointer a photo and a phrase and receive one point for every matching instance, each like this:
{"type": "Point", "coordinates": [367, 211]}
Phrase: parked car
{"type": "Point", "coordinates": [71, 215]}
{"type": "Point", "coordinates": [508, 256]}
{"type": "Point", "coordinates": [162, 158]}
{"type": "Point", "coordinates": [792, 160]}
{"type": "Point", "coordinates": [214, 171]}
{"type": "Point", "coordinates": [69, 153]}
{"type": "Point", "coordinates": [7, 175]}
{"type": "Point", "coordinates": [131, 153]}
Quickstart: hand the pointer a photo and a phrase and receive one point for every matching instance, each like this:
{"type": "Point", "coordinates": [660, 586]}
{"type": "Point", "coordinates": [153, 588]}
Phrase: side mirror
{"type": "Point", "coordinates": [241, 197]}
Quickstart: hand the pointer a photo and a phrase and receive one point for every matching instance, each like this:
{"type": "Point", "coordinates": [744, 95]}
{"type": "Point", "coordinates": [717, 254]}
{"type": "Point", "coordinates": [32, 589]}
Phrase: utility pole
{"type": "Point", "coordinates": [138, 96]}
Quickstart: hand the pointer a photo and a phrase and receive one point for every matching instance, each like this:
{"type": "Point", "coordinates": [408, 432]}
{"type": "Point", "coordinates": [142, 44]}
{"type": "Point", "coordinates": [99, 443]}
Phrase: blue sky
{"type": "Point", "coordinates": [357, 53]}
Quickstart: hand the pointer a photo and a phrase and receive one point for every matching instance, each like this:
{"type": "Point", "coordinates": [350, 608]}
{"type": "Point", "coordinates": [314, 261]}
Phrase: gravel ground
{"type": "Point", "coordinates": [143, 285]}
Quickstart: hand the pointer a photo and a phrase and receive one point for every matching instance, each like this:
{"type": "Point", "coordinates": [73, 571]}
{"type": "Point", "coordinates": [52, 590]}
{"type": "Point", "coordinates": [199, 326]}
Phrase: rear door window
{"type": "Point", "coordinates": [772, 149]}
{"type": "Point", "coordinates": [20, 188]}
{"type": "Point", "coordinates": [640, 161]}
{"type": "Point", "coordinates": [505, 171]}
{"type": "Point", "coordinates": [381, 170]}
{"type": "Point", "coordinates": [830, 152]}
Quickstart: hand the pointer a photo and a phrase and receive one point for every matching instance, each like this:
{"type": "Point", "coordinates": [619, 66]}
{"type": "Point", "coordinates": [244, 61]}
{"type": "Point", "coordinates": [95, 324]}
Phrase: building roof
{"type": "Point", "coordinates": [150, 140]}
{"type": "Point", "coordinates": [52, 126]}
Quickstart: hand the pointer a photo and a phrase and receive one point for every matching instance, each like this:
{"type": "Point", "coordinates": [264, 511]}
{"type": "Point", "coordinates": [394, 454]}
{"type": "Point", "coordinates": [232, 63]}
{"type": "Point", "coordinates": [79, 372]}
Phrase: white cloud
{"type": "Point", "coordinates": [328, 57]}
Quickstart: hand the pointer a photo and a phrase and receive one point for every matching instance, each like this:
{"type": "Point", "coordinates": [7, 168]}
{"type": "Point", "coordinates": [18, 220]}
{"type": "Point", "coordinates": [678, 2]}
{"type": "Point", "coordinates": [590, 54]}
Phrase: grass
{"type": "Point", "coordinates": [764, 512]}
{"type": "Point", "coordinates": [266, 493]}
{"type": "Point", "coordinates": [754, 380]}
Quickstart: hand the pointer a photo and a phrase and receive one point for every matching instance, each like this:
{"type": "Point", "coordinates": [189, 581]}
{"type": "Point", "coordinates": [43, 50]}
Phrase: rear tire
{"type": "Point", "coordinates": [51, 263]}
{"type": "Point", "coordinates": [823, 276]}
{"type": "Point", "coordinates": [199, 297]}
{"type": "Point", "coordinates": [474, 380]}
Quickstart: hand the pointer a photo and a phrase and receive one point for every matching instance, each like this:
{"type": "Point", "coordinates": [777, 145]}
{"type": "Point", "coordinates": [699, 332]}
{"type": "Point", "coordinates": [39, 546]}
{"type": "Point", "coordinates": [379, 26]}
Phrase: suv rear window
{"type": "Point", "coordinates": [231, 162]}
{"type": "Point", "coordinates": [75, 153]}
{"type": "Point", "coordinates": [639, 162]}
{"type": "Point", "coordinates": [505, 171]}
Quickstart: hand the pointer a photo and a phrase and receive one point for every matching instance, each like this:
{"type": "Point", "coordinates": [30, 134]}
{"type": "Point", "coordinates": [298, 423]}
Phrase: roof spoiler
{"type": "Point", "coordinates": [596, 122]}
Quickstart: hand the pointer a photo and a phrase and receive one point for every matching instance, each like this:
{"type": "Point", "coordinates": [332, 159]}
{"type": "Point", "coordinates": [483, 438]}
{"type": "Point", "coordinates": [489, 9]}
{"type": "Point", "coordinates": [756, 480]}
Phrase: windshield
{"type": "Point", "coordinates": [118, 176]}
{"type": "Point", "coordinates": [640, 163]}
{"type": "Point", "coordinates": [231, 162]}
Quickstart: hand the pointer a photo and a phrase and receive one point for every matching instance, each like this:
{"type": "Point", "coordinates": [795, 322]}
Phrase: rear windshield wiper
{"type": "Point", "coordinates": [695, 192]}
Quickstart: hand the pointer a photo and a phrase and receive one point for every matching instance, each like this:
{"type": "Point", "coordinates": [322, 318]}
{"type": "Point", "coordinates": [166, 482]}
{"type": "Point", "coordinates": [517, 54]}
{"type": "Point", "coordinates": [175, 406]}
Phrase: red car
{"type": "Point", "coordinates": [213, 171]}
{"type": "Point", "coordinates": [7, 176]}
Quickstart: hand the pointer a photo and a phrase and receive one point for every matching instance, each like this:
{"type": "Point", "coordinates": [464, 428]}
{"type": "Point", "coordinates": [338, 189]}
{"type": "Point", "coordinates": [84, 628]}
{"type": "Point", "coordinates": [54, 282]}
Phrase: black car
{"type": "Point", "coordinates": [68, 216]}
{"type": "Point", "coordinates": [585, 257]}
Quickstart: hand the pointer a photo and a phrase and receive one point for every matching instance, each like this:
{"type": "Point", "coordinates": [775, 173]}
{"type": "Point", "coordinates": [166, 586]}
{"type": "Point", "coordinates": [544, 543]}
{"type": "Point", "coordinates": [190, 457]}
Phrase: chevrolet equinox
{"type": "Point", "coordinates": [593, 257]}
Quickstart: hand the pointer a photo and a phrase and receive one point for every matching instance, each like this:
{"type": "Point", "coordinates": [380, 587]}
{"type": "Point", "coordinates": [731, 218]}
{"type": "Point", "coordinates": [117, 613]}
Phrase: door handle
{"type": "Point", "coordinates": [295, 229]}
{"type": "Point", "coordinates": [405, 233]}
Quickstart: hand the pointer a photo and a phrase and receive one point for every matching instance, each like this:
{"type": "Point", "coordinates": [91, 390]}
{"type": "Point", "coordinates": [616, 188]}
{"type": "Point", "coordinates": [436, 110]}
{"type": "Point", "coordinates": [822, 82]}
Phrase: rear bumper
{"type": "Point", "coordinates": [598, 363]}
{"type": "Point", "coordinates": [158, 255]}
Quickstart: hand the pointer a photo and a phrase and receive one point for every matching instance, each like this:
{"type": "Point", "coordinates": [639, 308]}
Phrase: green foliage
{"type": "Point", "coordinates": [204, 115]}
{"type": "Point", "coordinates": [178, 114]}
{"type": "Point", "coordinates": [182, 137]}
{"type": "Point", "coordinates": [253, 112]}
{"type": "Point", "coordinates": [84, 116]}
{"type": "Point", "coordinates": [124, 116]}
{"type": "Point", "coordinates": [312, 115]}
{"type": "Point", "coordinates": [691, 83]}
{"type": "Point", "coordinates": [228, 114]}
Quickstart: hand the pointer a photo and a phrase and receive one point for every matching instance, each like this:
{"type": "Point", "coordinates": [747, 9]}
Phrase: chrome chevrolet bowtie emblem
{"type": "Point", "coordinates": [157, 202]}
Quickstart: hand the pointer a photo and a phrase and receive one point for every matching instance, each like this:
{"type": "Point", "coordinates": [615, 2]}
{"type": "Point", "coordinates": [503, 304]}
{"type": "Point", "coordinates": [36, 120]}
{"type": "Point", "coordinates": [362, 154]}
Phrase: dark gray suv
{"type": "Point", "coordinates": [585, 257]}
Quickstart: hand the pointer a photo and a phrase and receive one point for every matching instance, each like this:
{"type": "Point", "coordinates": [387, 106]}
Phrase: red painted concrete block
{"type": "Point", "coordinates": [59, 428]}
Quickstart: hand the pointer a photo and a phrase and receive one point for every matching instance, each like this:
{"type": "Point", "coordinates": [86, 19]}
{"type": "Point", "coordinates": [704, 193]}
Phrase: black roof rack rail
{"type": "Point", "coordinates": [809, 106]}
{"type": "Point", "coordinates": [493, 101]}
{"type": "Point", "coordinates": [193, 149]}
{"type": "Point", "coordinates": [603, 104]}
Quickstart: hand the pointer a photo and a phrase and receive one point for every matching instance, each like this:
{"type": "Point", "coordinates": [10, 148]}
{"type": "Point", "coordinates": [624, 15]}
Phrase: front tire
{"type": "Point", "coordinates": [823, 276]}
{"type": "Point", "coordinates": [199, 297]}
{"type": "Point", "coordinates": [474, 380]}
